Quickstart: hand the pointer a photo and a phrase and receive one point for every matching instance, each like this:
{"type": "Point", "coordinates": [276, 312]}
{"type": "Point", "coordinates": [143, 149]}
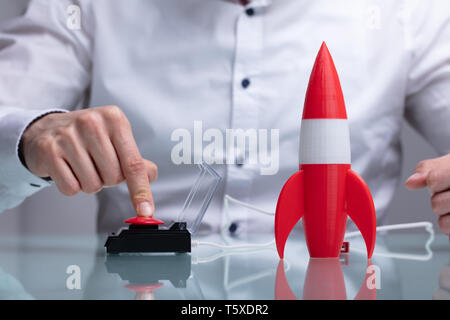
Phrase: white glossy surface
{"type": "Point", "coordinates": [35, 268]}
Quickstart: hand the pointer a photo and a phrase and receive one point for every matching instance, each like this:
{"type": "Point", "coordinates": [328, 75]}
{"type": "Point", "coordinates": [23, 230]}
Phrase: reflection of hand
{"type": "Point", "coordinates": [11, 289]}
{"type": "Point", "coordinates": [88, 149]}
{"type": "Point", "coordinates": [443, 293]}
{"type": "Point", "coordinates": [435, 174]}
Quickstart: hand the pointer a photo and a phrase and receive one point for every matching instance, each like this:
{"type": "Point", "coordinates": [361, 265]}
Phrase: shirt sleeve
{"type": "Point", "coordinates": [428, 89]}
{"type": "Point", "coordinates": [44, 67]}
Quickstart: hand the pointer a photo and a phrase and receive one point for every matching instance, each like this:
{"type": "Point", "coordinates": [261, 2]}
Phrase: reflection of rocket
{"type": "Point", "coordinates": [325, 189]}
{"type": "Point", "coordinates": [324, 280]}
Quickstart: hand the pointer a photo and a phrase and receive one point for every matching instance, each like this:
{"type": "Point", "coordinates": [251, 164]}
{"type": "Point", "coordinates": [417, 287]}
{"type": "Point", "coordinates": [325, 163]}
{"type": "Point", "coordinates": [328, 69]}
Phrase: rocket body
{"type": "Point", "coordinates": [325, 218]}
{"type": "Point", "coordinates": [325, 190]}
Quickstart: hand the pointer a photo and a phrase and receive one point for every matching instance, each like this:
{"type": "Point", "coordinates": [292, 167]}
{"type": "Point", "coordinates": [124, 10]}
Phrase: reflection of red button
{"type": "Point", "coordinates": [143, 221]}
{"type": "Point", "coordinates": [144, 287]}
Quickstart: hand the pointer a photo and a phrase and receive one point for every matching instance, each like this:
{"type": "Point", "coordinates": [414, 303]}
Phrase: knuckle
{"type": "Point", "coordinates": [142, 193]}
{"type": "Point", "coordinates": [91, 184]}
{"type": "Point", "coordinates": [52, 152]}
{"type": "Point", "coordinates": [65, 132]}
{"type": "Point", "coordinates": [88, 120]}
{"type": "Point", "coordinates": [92, 187]}
{"type": "Point", "coordinates": [135, 165]}
{"type": "Point", "coordinates": [440, 203]}
{"type": "Point", "coordinates": [65, 136]}
{"type": "Point", "coordinates": [435, 203]}
{"type": "Point", "coordinates": [114, 179]}
{"type": "Point", "coordinates": [44, 143]}
{"type": "Point", "coordinates": [153, 171]}
{"type": "Point", "coordinates": [433, 179]}
{"type": "Point", "coordinates": [115, 182]}
{"type": "Point", "coordinates": [114, 113]}
{"type": "Point", "coordinates": [70, 189]}
{"type": "Point", "coordinates": [444, 224]}
{"type": "Point", "coordinates": [422, 165]}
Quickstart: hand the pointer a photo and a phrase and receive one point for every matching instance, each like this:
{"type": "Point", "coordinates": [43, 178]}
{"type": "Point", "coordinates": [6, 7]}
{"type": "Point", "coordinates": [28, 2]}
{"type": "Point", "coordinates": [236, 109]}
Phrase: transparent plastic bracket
{"type": "Point", "coordinates": [199, 197]}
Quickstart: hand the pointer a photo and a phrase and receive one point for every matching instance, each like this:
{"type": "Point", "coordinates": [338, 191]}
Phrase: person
{"type": "Point", "coordinates": [94, 93]}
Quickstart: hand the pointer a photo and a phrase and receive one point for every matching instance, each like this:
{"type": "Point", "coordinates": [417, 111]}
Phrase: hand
{"type": "Point", "coordinates": [435, 174]}
{"type": "Point", "coordinates": [88, 149]}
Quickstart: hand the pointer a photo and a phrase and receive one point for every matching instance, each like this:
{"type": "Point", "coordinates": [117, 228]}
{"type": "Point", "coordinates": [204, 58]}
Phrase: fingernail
{"type": "Point", "coordinates": [145, 209]}
{"type": "Point", "coordinates": [414, 176]}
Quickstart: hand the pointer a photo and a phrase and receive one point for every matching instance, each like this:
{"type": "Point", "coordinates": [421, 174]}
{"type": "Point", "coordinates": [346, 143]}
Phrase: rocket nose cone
{"type": "Point", "coordinates": [324, 98]}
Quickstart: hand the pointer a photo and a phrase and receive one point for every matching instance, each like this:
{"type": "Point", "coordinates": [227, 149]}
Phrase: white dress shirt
{"type": "Point", "coordinates": [169, 63]}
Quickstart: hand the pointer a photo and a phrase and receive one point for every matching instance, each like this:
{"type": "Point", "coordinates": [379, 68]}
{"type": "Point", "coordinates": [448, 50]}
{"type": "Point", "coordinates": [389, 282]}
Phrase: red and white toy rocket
{"type": "Point", "coordinates": [325, 189]}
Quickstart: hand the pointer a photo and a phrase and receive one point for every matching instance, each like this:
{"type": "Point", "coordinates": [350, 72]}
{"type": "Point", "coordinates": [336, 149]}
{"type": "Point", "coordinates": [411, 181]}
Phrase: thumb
{"type": "Point", "coordinates": [418, 179]}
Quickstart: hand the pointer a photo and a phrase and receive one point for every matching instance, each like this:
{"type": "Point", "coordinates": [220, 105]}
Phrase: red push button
{"type": "Point", "coordinates": [143, 221]}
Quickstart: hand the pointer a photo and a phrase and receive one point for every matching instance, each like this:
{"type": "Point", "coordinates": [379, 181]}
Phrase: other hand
{"type": "Point", "coordinates": [435, 174]}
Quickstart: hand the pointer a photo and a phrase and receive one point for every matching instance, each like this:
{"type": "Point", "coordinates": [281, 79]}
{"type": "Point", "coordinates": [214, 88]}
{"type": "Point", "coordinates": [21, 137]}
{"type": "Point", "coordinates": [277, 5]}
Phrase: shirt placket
{"type": "Point", "coordinates": [244, 109]}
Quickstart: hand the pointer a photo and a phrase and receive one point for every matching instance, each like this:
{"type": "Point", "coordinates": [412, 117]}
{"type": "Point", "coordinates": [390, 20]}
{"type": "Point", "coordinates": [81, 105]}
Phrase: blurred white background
{"type": "Point", "coordinates": [50, 212]}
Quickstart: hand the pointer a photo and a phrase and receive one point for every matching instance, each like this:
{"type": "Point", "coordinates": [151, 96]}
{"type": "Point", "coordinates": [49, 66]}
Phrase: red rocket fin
{"type": "Point", "coordinates": [289, 209]}
{"type": "Point", "coordinates": [361, 210]}
{"type": "Point", "coordinates": [282, 289]}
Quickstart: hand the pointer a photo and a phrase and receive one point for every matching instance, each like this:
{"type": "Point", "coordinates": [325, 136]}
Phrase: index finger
{"type": "Point", "coordinates": [134, 170]}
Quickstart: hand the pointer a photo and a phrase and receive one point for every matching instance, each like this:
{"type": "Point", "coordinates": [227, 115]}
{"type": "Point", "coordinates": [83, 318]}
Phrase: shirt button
{"type": "Point", "coordinates": [240, 157]}
{"type": "Point", "coordinates": [245, 83]}
{"type": "Point", "coordinates": [250, 12]}
{"type": "Point", "coordinates": [233, 227]}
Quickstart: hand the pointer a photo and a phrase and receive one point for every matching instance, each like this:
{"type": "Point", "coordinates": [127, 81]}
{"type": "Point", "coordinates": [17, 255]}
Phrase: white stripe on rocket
{"type": "Point", "coordinates": [325, 141]}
